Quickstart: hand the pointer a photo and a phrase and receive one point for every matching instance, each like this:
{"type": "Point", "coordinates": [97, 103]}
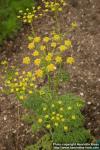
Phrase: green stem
{"type": "Point", "coordinates": [57, 22]}
{"type": "Point", "coordinates": [33, 32]}
{"type": "Point", "coordinates": [58, 79]}
{"type": "Point", "coordinates": [49, 82]}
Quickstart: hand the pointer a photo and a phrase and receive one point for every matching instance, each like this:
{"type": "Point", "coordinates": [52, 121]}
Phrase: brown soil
{"type": "Point", "coordinates": [85, 79]}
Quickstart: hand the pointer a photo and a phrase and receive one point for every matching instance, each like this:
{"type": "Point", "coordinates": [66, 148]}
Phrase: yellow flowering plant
{"type": "Point", "coordinates": [47, 56]}
{"type": "Point", "coordinates": [36, 82]}
{"type": "Point", "coordinates": [29, 15]}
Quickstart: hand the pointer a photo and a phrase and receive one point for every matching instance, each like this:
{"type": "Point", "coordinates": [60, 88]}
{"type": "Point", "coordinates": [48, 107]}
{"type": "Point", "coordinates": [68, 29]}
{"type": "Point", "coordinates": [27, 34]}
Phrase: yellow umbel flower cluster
{"type": "Point", "coordinates": [54, 6]}
{"type": "Point", "coordinates": [58, 59]}
{"type": "Point", "coordinates": [39, 73]}
{"type": "Point", "coordinates": [29, 15]}
{"type": "Point", "coordinates": [26, 60]}
{"type": "Point", "coordinates": [35, 53]}
{"type": "Point", "coordinates": [31, 46]}
{"type": "Point", "coordinates": [70, 60]}
{"type": "Point", "coordinates": [62, 48]}
{"type": "Point", "coordinates": [37, 39]}
{"type": "Point", "coordinates": [37, 61]}
{"type": "Point", "coordinates": [49, 57]}
{"type": "Point", "coordinates": [51, 67]}
{"type": "Point", "coordinates": [46, 39]}
{"type": "Point", "coordinates": [45, 59]}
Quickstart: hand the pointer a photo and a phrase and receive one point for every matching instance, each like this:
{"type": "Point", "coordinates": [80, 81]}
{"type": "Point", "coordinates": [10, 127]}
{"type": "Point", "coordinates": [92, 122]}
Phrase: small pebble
{"type": "Point", "coordinates": [81, 93]}
{"type": "Point", "coordinates": [89, 103]}
{"type": "Point", "coordinates": [14, 131]}
{"type": "Point", "coordinates": [5, 118]}
{"type": "Point", "coordinates": [22, 124]}
{"type": "Point", "coordinates": [99, 79]}
{"type": "Point", "coordinates": [98, 113]}
{"type": "Point", "coordinates": [89, 123]}
{"type": "Point", "coordinates": [94, 108]}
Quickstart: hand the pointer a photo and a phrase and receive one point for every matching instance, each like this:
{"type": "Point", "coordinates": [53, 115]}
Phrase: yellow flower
{"type": "Point", "coordinates": [58, 59]}
{"type": "Point", "coordinates": [4, 62]}
{"type": "Point", "coordinates": [74, 25]}
{"type": "Point", "coordinates": [16, 73]}
{"type": "Point", "coordinates": [23, 72]}
{"type": "Point", "coordinates": [59, 102]}
{"type": "Point", "coordinates": [31, 46]}
{"type": "Point", "coordinates": [17, 89]}
{"type": "Point", "coordinates": [56, 37]}
{"type": "Point", "coordinates": [46, 39]}
{"type": "Point", "coordinates": [61, 109]}
{"type": "Point", "coordinates": [68, 43]}
{"type": "Point", "coordinates": [44, 109]}
{"type": "Point", "coordinates": [30, 92]}
{"type": "Point", "coordinates": [41, 92]}
{"type": "Point", "coordinates": [31, 84]}
{"type": "Point", "coordinates": [27, 9]}
{"type": "Point", "coordinates": [20, 11]}
{"type": "Point", "coordinates": [48, 126]}
{"type": "Point", "coordinates": [24, 20]}
{"type": "Point", "coordinates": [37, 61]}
{"type": "Point", "coordinates": [62, 119]}
{"type": "Point", "coordinates": [33, 78]}
{"type": "Point", "coordinates": [65, 128]}
{"type": "Point", "coordinates": [26, 60]}
{"type": "Point", "coordinates": [37, 39]}
{"type": "Point", "coordinates": [46, 116]}
{"type": "Point", "coordinates": [52, 118]}
{"type": "Point", "coordinates": [23, 88]}
{"type": "Point", "coordinates": [21, 83]}
{"type": "Point", "coordinates": [39, 7]}
{"type": "Point", "coordinates": [60, 9]}
{"type": "Point", "coordinates": [46, 10]}
{"type": "Point", "coordinates": [58, 115]}
{"type": "Point", "coordinates": [52, 105]}
{"type": "Point", "coordinates": [70, 60]}
{"type": "Point", "coordinates": [39, 73]}
{"type": "Point", "coordinates": [58, 118]}
{"type": "Point", "coordinates": [12, 90]}
{"type": "Point", "coordinates": [56, 124]}
{"type": "Point", "coordinates": [73, 117]}
{"type": "Point", "coordinates": [53, 44]}
{"type": "Point", "coordinates": [21, 97]}
{"type": "Point", "coordinates": [51, 68]}
{"type": "Point", "coordinates": [62, 48]}
{"type": "Point", "coordinates": [42, 47]}
{"type": "Point", "coordinates": [29, 74]}
{"type": "Point", "coordinates": [48, 57]}
{"type": "Point", "coordinates": [30, 38]}
{"type": "Point", "coordinates": [40, 120]}
{"type": "Point", "coordinates": [18, 17]}
{"type": "Point", "coordinates": [35, 53]}
{"type": "Point", "coordinates": [61, 116]}
{"type": "Point", "coordinates": [53, 113]}
{"type": "Point", "coordinates": [69, 108]}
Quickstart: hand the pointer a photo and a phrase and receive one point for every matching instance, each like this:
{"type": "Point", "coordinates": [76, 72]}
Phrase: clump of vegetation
{"type": "Point", "coordinates": [59, 116]}
{"type": "Point", "coordinates": [45, 143]}
{"type": "Point", "coordinates": [8, 11]}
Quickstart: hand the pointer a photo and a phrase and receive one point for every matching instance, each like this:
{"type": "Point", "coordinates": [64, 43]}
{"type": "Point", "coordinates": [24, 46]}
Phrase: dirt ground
{"type": "Point", "coordinates": [85, 73]}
